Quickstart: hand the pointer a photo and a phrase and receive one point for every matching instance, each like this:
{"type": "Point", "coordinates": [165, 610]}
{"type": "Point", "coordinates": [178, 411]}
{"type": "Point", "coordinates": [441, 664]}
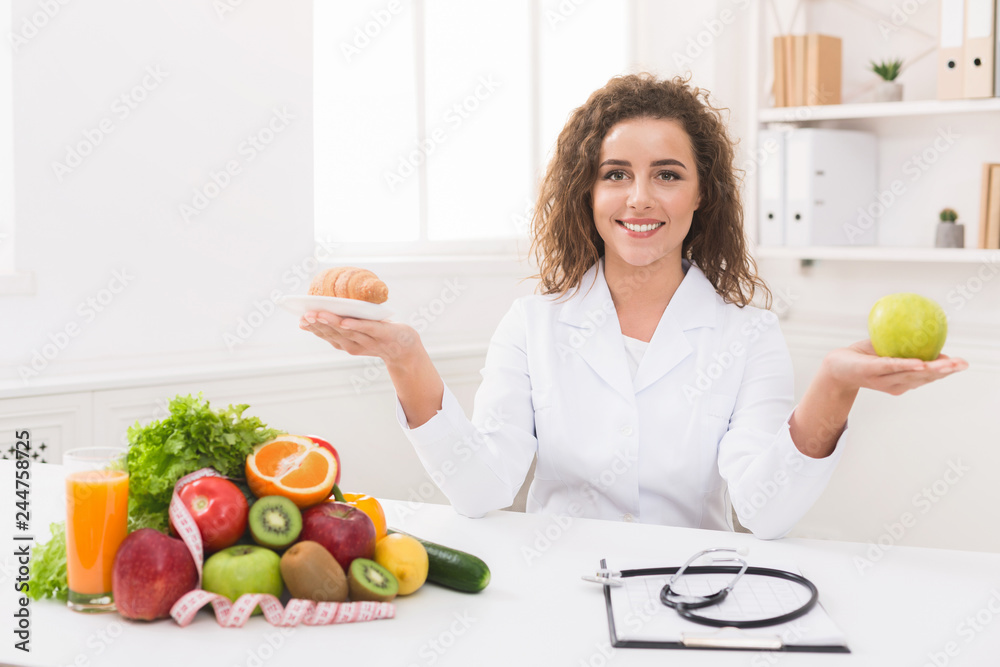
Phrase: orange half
{"type": "Point", "coordinates": [294, 467]}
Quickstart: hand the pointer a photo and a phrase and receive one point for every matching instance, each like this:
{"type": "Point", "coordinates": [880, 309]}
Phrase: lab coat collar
{"type": "Point", "coordinates": [598, 338]}
{"type": "Point", "coordinates": [692, 306]}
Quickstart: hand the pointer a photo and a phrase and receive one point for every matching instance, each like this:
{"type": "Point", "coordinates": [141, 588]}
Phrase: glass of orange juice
{"type": "Point", "coordinates": [96, 523]}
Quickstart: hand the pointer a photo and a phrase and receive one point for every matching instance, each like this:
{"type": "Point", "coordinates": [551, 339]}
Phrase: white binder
{"type": "Point", "coordinates": [951, 51]}
{"type": "Point", "coordinates": [831, 188]}
{"type": "Point", "coordinates": [771, 188]}
{"type": "Point", "coordinates": [979, 48]}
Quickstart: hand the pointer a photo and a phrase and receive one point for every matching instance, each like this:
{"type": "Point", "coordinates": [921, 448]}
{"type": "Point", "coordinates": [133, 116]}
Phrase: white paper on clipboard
{"type": "Point", "coordinates": [640, 616]}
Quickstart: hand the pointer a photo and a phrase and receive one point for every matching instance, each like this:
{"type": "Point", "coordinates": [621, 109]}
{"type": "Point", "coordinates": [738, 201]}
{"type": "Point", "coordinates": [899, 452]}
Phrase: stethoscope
{"type": "Point", "coordinates": [685, 604]}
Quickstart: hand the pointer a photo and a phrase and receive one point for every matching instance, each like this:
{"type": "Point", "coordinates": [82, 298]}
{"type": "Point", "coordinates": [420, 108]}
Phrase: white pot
{"type": "Point", "coordinates": [889, 91]}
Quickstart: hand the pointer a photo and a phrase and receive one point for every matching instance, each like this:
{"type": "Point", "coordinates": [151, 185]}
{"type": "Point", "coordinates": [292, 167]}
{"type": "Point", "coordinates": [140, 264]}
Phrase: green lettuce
{"type": "Point", "coordinates": [48, 567]}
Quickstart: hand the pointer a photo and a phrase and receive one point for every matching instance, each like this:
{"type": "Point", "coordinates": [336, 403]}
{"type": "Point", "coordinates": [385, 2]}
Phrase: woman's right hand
{"type": "Point", "coordinates": [392, 342]}
{"type": "Point", "coordinates": [418, 385]}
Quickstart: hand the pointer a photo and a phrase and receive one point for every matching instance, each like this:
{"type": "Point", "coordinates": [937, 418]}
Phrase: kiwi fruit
{"type": "Point", "coordinates": [311, 573]}
{"type": "Point", "coordinates": [275, 522]}
{"type": "Point", "coordinates": [368, 580]}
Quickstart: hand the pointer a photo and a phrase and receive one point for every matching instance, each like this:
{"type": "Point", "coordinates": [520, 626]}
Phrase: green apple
{"type": "Point", "coordinates": [907, 325]}
{"type": "Point", "coordinates": [243, 569]}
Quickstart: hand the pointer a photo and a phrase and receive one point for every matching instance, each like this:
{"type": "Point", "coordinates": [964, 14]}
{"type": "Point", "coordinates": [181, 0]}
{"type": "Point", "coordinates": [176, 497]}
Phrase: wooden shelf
{"type": "Point", "coordinates": [881, 254]}
{"type": "Point", "coordinates": [877, 110]}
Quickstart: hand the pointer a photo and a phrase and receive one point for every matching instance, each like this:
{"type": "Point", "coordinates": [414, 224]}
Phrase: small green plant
{"type": "Point", "coordinates": [948, 215]}
{"type": "Point", "coordinates": [887, 69]}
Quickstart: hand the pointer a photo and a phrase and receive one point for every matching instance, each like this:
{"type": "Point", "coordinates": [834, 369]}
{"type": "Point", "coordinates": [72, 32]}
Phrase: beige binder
{"type": "Point", "coordinates": [993, 211]}
{"type": "Point", "coordinates": [798, 70]}
{"type": "Point", "coordinates": [950, 50]}
{"type": "Point", "coordinates": [789, 61]}
{"type": "Point", "coordinates": [984, 206]}
{"type": "Point", "coordinates": [780, 85]}
{"type": "Point", "coordinates": [979, 48]}
{"type": "Point", "coordinates": [823, 67]}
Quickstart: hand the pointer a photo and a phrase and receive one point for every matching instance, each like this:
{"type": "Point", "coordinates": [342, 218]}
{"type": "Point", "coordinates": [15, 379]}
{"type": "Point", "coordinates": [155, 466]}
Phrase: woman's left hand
{"type": "Point", "coordinates": [858, 366]}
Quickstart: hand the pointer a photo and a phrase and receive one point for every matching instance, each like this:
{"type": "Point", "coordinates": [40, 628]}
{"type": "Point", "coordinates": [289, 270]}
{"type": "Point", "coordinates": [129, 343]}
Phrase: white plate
{"type": "Point", "coordinates": [299, 304]}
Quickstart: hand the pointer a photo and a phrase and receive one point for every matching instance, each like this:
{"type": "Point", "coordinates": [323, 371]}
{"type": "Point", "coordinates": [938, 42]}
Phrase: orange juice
{"type": "Point", "coordinates": [96, 523]}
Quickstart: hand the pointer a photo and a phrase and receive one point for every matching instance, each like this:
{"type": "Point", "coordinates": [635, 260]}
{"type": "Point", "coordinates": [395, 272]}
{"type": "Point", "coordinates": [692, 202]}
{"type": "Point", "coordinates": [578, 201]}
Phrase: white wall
{"type": "Point", "coordinates": [221, 78]}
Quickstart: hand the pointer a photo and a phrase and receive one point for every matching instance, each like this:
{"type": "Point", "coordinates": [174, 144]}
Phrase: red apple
{"type": "Point", "coordinates": [345, 531]}
{"type": "Point", "coordinates": [326, 445]}
{"type": "Point", "coordinates": [218, 508]}
{"type": "Point", "coordinates": [150, 573]}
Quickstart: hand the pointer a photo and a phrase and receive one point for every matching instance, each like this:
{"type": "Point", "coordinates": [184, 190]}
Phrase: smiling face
{"type": "Point", "coordinates": [645, 194]}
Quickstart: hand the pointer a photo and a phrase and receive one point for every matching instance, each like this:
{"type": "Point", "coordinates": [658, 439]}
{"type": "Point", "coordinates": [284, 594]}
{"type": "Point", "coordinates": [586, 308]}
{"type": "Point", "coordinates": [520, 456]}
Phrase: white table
{"type": "Point", "coordinates": [907, 607]}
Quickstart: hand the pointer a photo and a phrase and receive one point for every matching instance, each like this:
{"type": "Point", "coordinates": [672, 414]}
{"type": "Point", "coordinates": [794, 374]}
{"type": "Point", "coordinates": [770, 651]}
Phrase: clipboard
{"type": "Point", "coordinates": [725, 639]}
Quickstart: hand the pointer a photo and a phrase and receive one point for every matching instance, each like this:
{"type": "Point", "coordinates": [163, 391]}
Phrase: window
{"type": "Point", "coordinates": [434, 120]}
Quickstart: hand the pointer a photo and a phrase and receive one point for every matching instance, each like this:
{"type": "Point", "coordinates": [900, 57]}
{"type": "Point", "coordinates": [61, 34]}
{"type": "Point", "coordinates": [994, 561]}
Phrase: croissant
{"type": "Point", "coordinates": [350, 282]}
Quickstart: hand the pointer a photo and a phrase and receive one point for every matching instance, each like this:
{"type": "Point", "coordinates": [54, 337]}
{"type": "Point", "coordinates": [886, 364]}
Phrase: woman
{"type": "Point", "coordinates": [647, 386]}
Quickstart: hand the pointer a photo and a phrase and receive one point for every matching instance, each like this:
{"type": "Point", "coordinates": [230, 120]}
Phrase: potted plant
{"type": "Point", "coordinates": [949, 234]}
{"type": "Point", "coordinates": [889, 90]}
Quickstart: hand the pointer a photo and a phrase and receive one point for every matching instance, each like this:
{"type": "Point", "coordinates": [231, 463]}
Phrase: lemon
{"type": "Point", "coordinates": [406, 558]}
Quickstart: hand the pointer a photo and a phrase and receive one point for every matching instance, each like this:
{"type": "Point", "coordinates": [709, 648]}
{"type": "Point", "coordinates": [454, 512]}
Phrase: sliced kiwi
{"type": "Point", "coordinates": [368, 580]}
{"type": "Point", "coordinates": [311, 573]}
{"type": "Point", "coordinates": [275, 522]}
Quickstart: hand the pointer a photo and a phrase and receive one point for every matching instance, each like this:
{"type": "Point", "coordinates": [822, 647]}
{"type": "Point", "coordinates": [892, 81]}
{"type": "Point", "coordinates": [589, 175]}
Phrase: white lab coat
{"type": "Point", "coordinates": [706, 416]}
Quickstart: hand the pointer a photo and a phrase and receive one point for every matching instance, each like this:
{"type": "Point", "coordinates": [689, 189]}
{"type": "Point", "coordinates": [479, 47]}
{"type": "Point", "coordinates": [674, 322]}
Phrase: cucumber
{"type": "Point", "coordinates": [453, 568]}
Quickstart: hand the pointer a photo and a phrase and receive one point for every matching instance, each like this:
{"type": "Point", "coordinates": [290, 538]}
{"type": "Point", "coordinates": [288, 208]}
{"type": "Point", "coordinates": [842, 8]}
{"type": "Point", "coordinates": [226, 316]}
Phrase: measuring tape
{"type": "Point", "coordinates": [231, 614]}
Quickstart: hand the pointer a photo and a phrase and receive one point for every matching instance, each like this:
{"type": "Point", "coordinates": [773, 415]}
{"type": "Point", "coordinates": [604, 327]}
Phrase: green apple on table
{"type": "Point", "coordinates": [243, 569]}
{"type": "Point", "coordinates": [908, 326]}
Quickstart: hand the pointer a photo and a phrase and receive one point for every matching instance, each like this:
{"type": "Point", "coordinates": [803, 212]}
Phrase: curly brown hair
{"type": "Point", "coordinates": [565, 240]}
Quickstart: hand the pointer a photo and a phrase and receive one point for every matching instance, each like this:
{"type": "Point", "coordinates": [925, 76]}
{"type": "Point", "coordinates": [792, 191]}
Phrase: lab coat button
{"type": "Point", "coordinates": [626, 430]}
{"type": "Point", "coordinates": [628, 518]}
